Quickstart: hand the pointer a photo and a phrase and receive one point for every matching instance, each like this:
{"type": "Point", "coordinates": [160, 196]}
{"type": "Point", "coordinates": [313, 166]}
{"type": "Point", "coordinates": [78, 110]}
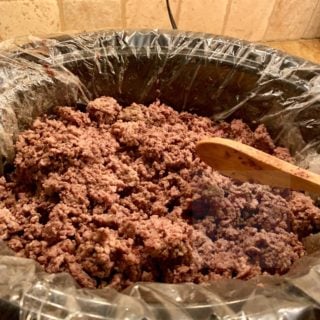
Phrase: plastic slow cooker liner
{"type": "Point", "coordinates": [222, 78]}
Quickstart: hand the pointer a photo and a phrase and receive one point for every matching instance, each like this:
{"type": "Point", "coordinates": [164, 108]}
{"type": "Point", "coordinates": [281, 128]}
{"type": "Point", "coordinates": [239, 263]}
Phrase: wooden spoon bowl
{"type": "Point", "coordinates": [245, 163]}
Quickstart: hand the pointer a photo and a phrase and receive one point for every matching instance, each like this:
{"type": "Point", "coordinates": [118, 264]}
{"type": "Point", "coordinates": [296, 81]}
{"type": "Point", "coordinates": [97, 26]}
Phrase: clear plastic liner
{"type": "Point", "coordinates": [218, 77]}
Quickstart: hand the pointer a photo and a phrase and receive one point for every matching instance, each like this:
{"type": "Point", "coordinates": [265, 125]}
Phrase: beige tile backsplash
{"type": "Point", "coordinates": [256, 20]}
{"type": "Point", "coordinates": [291, 17]}
{"type": "Point", "coordinates": [90, 15]}
{"type": "Point", "coordinates": [148, 14]}
{"type": "Point", "coordinates": [203, 15]}
{"type": "Point", "coordinates": [24, 17]}
{"type": "Point", "coordinates": [248, 19]}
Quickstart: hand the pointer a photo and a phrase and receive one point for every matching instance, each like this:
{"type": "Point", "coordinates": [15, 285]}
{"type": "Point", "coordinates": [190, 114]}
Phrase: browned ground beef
{"type": "Point", "coordinates": [117, 195]}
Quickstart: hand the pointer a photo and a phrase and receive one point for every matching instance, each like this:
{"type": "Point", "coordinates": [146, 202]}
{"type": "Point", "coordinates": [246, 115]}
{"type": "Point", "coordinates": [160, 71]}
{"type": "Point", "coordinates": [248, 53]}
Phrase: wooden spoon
{"type": "Point", "coordinates": [245, 163]}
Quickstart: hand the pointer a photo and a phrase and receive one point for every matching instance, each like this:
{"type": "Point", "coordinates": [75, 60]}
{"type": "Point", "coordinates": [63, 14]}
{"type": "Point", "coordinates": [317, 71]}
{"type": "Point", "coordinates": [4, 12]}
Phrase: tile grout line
{"type": "Point", "coordinates": [268, 23]}
{"type": "Point", "coordinates": [311, 19]}
{"type": "Point", "coordinates": [61, 15]}
{"type": "Point", "coordinates": [123, 12]}
{"type": "Point", "coordinates": [177, 18]}
{"type": "Point", "coordinates": [226, 17]}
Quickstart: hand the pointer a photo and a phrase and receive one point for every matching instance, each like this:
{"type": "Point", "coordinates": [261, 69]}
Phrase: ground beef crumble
{"type": "Point", "coordinates": [117, 195]}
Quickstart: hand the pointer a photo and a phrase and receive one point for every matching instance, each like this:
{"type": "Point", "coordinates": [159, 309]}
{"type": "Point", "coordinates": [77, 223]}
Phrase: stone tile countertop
{"type": "Point", "coordinates": [307, 49]}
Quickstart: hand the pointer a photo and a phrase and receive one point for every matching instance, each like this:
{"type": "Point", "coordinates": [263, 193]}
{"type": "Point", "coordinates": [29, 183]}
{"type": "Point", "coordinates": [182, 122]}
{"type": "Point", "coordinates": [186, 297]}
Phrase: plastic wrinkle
{"type": "Point", "coordinates": [214, 76]}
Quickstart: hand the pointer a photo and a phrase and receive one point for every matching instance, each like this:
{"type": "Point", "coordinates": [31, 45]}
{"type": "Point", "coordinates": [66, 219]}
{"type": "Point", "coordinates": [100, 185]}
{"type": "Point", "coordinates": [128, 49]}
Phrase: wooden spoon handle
{"type": "Point", "coordinates": [246, 163]}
